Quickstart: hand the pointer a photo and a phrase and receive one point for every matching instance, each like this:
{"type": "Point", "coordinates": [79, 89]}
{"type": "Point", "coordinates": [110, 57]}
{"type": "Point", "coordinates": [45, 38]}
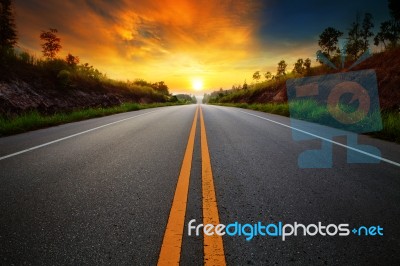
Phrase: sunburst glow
{"type": "Point", "coordinates": [197, 84]}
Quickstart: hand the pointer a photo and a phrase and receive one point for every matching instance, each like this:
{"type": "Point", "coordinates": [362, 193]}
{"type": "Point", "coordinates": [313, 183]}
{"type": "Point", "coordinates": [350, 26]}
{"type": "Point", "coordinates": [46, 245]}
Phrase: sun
{"type": "Point", "coordinates": [197, 84]}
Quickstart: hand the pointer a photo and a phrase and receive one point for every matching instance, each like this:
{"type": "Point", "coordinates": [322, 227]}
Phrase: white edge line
{"type": "Point", "coordinates": [70, 136]}
{"type": "Point", "coordinates": [329, 140]}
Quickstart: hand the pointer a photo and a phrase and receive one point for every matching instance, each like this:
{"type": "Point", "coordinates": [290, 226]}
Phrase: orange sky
{"type": "Point", "coordinates": [172, 40]}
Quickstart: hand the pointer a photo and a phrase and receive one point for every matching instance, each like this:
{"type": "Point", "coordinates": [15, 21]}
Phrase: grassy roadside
{"type": "Point", "coordinates": [34, 120]}
{"type": "Point", "coordinates": [390, 120]}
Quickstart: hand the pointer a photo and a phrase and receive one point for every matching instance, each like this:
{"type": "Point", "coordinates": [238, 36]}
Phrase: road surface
{"type": "Point", "coordinates": [103, 191]}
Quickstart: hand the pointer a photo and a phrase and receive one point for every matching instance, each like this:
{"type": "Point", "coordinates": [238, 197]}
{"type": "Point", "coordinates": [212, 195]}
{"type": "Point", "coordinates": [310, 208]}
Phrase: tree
{"type": "Point", "coordinates": [268, 75]}
{"type": "Point", "coordinates": [256, 76]}
{"type": "Point", "coordinates": [161, 87]}
{"type": "Point", "coordinates": [281, 70]}
{"type": "Point", "coordinates": [390, 30]}
{"type": "Point", "coordinates": [8, 33]}
{"type": "Point", "coordinates": [385, 34]}
{"type": "Point", "coordinates": [51, 43]}
{"type": "Point", "coordinates": [307, 64]}
{"type": "Point", "coordinates": [142, 82]}
{"type": "Point", "coordinates": [355, 43]}
{"type": "Point", "coordinates": [245, 86]}
{"type": "Point", "coordinates": [299, 66]}
{"type": "Point", "coordinates": [236, 87]}
{"type": "Point", "coordinates": [325, 54]}
{"type": "Point", "coordinates": [220, 93]}
{"type": "Point", "coordinates": [91, 72]}
{"type": "Point", "coordinates": [328, 40]}
{"type": "Point", "coordinates": [366, 32]}
{"type": "Point", "coordinates": [72, 60]}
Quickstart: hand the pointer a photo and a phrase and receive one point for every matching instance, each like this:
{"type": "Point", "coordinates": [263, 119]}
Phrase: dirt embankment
{"type": "Point", "coordinates": [385, 64]}
{"type": "Point", "coordinates": [387, 68]}
{"type": "Point", "coordinates": [17, 97]}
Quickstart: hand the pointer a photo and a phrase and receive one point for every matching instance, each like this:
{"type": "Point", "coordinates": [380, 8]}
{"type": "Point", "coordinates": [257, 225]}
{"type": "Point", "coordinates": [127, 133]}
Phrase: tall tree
{"type": "Point", "coordinates": [245, 86]}
{"type": "Point", "coordinates": [328, 40]}
{"type": "Point", "coordinates": [307, 64]}
{"type": "Point", "coordinates": [72, 60]}
{"type": "Point", "coordinates": [386, 35]}
{"type": "Point", "coordinates": [51, 43]}
{"type": "Point", "coordinates": [394, 7]}
{"type": "Point", "coordinates": [389, 33]}
{"type": "Point", "coordinates": [281, 70]}
{"type": "Point", "coordinates": [8, 33]}
{"type": "Point", "coordinates": [299, 66]}
{"type": "Point", "coordinates": [355, 41]}
{"type": "Point", "coordinates": [257, 76]}
{"type": "Point", "coordinates": [366, 31]}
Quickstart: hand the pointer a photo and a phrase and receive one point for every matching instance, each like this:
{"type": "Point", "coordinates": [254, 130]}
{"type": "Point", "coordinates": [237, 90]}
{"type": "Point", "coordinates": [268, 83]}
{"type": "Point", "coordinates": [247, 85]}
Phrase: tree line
{"type": "Point", "coordinates": [353, 45]}
{"type": "Point", "coordinates": [359, 34]}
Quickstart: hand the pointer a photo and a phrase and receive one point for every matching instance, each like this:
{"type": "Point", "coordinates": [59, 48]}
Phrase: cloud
{"type": "Point", "coordinates": [198, 28]}
{"type": "Point", "coordinates": [132, 39]}
{"type": "Point", "coordinates": [221, 41]}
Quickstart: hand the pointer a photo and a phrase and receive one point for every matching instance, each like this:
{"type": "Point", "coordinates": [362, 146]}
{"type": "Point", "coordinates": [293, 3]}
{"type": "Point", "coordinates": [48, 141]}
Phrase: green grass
{"type": "Point", "coordinates": [34, 120]}
{"type": "Point", "coordinates": [308, 110]}
{"type": "Point", "coordinates": [391, 127]}
{"type": "Point", "coordinates": [390, 120]}
{"type": "Point", "coordinates": [273, 108]}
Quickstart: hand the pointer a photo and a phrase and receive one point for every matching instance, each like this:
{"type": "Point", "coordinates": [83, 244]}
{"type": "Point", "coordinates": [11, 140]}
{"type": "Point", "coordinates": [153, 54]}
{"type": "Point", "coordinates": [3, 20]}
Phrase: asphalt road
{"type": "Point", "coordinates": [100, 191]}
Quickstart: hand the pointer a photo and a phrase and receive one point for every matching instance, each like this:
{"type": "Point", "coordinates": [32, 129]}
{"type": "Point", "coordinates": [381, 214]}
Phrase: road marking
{"type": "Point", "coordinates": [171, 247]}
{"type": "Point", "coordinates": [71, 136]}
{"type": "Point", "coordinates": [328, 140]}
{"type": "Point", "coordinates": [213, 245]}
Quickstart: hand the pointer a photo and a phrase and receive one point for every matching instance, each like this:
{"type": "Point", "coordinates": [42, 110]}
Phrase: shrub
{"type": "Point", "coordinates": [64, 77]}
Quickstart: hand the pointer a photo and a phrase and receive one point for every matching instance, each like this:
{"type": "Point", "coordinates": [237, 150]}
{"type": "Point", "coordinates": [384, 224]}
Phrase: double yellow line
{"type": "Point", "coordinates": [172, 243]}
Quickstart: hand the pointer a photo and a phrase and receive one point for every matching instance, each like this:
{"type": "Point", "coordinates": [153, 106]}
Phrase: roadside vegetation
{"type": "Point", "coordinates": [390, 120]}
{"type": "Point", "coordinates": [65, 74]}
{"type": "Point", "coordinates": [37, 92]}
{"type": "Point", "coordinates": [267, 91]}
{"type": "Point", "coordinates": [35, 120]}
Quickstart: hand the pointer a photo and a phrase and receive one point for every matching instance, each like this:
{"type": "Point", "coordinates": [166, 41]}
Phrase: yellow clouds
{"type": "Point", "coordinates": [154, 28]}
{"type": "Point", "coordinates": [170, 40]}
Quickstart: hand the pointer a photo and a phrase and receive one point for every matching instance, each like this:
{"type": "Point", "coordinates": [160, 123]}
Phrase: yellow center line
{"type": "Point", "coordinates": [213, 245]}
{"type": "Point", "coordinates": [171, 247]}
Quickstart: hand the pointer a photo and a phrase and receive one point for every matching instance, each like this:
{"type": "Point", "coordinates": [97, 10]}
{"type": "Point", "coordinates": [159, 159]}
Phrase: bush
{"type": "Point", "coordinates": [51, 74]}
{"type": "Point", "coordinates": [52, 67]}
{"type": "Point", "coordinates": [64, 77]}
